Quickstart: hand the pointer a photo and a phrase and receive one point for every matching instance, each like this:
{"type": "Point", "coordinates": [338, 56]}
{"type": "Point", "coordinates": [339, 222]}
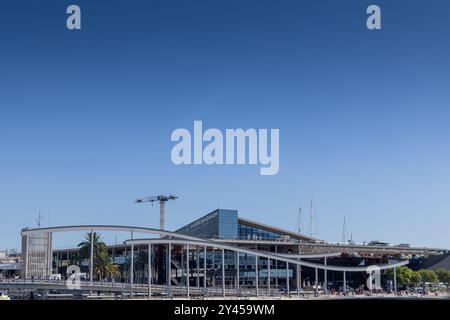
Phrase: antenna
{"type": "Point", "coordinates": [39, 219]}
{"type": "Point", "coordinates": [300, 224]}
{"type": "Point", "coordinates": [311, 218]}
{"type": "Point", "coordinates": [343, 232]}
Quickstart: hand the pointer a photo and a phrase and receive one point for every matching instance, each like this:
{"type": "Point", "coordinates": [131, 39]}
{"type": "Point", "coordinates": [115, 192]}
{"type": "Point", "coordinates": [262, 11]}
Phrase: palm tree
{"type": "Point", "coordinates": [85, 246]}
{"type": "Point", "coordinates": [124, 268]}
{"type": "Point", "coordinates": [141, 265]}
{"type": "Point", "coordinates": [104, 268]}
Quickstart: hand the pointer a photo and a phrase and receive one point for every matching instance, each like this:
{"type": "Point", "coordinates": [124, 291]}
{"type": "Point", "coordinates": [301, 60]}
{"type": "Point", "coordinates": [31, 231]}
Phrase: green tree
{"type": "Point", "coordinates": [416, 278]}
{"type": "Point", "coordinates": [443, 275]}
{"type": "Point", "coordinates": [140, 265]}
{"type": "Point", "coordinates": [405, 276]}
{"type": "Point", "coordinates": [100, 252]}
{"type": "Point", "coordinates": [124, 268]}
{"type": "Point", "coordinates": [428, 276]}
{"type": "Point", "coordinates": [85, 246]}
{"type": "Point", "coordinates": [105, 268]}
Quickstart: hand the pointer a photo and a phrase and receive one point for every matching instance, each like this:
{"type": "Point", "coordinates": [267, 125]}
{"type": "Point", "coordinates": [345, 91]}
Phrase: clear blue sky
{"type": "Point", "coordinates": [86, 116]}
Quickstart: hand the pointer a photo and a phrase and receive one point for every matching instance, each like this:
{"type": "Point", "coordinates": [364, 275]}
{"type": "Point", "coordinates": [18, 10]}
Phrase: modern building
{"type": "Point", "coordinates": [226, 225]}
{"type": "Point", "coordinates": [221, 252]}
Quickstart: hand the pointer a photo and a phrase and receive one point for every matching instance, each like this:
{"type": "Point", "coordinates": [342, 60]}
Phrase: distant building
{"type": "Point", "coordinates": [10, 263]}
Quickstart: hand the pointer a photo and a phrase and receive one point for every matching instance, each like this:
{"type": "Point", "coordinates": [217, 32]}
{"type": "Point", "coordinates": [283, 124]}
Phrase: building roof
{"type": "Point", "coordinates": [442, 264]}
{"type": "Point", "coordinates": [291, 234]}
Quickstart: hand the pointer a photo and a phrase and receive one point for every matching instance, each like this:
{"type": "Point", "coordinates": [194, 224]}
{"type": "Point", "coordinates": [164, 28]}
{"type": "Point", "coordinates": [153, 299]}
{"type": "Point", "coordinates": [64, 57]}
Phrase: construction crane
{"type": "Point", "coordinates": [162, 206]}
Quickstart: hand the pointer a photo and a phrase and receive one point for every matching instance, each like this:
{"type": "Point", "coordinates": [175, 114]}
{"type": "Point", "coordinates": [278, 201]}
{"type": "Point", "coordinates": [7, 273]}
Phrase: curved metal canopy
{"type": "Point", "coordinates": [201, 242]}
{"type": "Point", "coordinates": [214, 244]}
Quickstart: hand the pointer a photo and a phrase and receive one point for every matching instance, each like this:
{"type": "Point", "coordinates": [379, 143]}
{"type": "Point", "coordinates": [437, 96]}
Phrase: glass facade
{"type": "Point", "coordinates": [223, 224]}
{"type": "Point", "coordinates": [246, 232]}
{"type": "Point", "coordinates": [228, 224]}
{"type": "Point", "coordinates": [219, 224]}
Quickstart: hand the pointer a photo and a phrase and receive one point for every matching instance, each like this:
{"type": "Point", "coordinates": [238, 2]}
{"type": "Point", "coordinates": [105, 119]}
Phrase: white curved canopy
{"type": "Point", "coordinates": [218, 245]}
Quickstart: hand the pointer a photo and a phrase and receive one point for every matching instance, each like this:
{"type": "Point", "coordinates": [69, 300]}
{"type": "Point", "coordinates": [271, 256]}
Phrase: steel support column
{"type": "Point", "coordinates": [325, 281]}
{"type": "Point", "coordinates": [25, 258]}
{"type": "Point", "coordinates": [50, 254]}
{"type": "Point", "coordinates": [132, 265]}
{"type": "Point", "coordinates": [204, 269]}
{"type": "Point", "coordinates": [149, 270]}
{"type": "Point", "coordinates": [276, 268]}
{"type": "Point", "coordinates": [223, 273]}
{"type": "Point", "coordinates": [345, 283]}
{"type": "Point", "coordinates": [169, 267]}
{"type": "Point", "coordinates": [316, 280]}
{"type": "Point", "coordinates": [198, 267]}
{"type": "Point", "coordinates": [237, 273]}
{"type": "Point", "coordinates": [395, 281]}
{"type": "Point", "coordinates": [300, 274]}
{"type": "Point", "coordinates": [91, 263]}
{"type": "Point", "coordinates": [256, 276]}
{"type": "Point", "coordinates": [287, 279]}
{"type": "Point", "coordinates": [187, 270]}
{"type": "Point", "coordinates": [268, 276]}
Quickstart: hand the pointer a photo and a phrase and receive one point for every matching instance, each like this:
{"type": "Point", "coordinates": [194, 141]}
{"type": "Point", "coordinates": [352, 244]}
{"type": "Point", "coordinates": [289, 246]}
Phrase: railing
{"type": "Point", "coordinates": [243, 292]}
{"type": "Point", "coordinates": [83, 283]}
{"type": "Point", "coordinates": [116, 286]}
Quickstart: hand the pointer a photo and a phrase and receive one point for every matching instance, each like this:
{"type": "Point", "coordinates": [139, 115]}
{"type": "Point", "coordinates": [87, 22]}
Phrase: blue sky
{"type": "Point", "coordinates": [86, 116]}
